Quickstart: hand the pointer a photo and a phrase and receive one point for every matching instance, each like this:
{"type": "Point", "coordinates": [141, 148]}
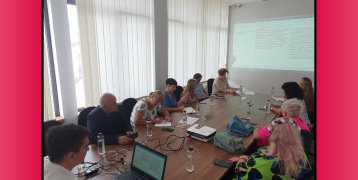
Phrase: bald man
{"type": "Point", "coordinates": [109, 119]}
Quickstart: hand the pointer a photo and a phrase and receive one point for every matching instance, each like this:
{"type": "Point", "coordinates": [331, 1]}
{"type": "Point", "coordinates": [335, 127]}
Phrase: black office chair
{"type": "Point", "coordinates": [306, 140]}
{"type": "Point", "coordinates": [47, 125]}
{"type": "Point", "coordinates": [210, 86]}
{"type": "Point", "coordinates": [312, 118]}
{"type": "Point", "coordinates": [177, 92]}
{"type": "Point", "coordinates": [82, 117]}
{"type": "Point", "coordinates": [128, 105]}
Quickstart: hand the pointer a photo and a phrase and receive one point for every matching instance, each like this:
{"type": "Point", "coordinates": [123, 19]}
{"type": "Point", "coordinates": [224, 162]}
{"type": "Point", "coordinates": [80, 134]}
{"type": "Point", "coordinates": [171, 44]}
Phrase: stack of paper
{"type": "Point", "coordinates": [190, 120]}
{"type": "Point", "coordinates": [164, 124]}
{"type": "Point", "coordinates": [189, 110]}
{"type": "Point", "coordinates": [279, 99]}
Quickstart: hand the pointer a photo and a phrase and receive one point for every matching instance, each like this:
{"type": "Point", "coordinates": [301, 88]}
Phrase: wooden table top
{"type": "Point", "coordinates": [224, 110]}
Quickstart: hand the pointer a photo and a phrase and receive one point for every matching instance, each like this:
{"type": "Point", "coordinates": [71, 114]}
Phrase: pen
{"type": "Point", "coordinates": [194, 148]}
{"type": "Point", "coordinates": [175, 125]}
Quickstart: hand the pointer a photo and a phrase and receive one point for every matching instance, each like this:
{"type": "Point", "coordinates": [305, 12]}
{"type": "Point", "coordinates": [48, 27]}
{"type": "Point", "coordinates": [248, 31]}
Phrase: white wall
{"type": "Point", "coordinates": [261, 81]}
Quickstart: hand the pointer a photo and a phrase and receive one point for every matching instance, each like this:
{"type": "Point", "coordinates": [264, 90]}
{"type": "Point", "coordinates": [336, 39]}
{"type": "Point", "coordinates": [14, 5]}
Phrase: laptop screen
{"type": "Point", "coordinates": [148, 161]}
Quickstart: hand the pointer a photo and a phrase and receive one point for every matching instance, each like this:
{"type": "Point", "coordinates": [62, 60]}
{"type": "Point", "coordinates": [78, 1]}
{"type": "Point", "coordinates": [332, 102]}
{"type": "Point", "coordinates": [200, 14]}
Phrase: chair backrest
{"type": "Point", "coordinates": [177, 92]}
{"type": "Point", "coordinates": [210, 86]}
{"type": "Point", "coordinates": [82, 117]}
{"type": "Point", "coordinates": [306, 139]}
{"type": "Point", "coordinates": [128, 105]}
{"type": "Point", "coordinates": [47, 125]}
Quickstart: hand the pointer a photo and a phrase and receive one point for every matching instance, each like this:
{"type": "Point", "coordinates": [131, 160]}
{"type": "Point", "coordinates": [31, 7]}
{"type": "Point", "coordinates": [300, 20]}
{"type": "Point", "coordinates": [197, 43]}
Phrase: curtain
{"type": "Point", "coordinates": [198, 31]}
{"type": "Point", "coordinates": [116, 48]}
{"type": "Point", "coordinates": [48, 110]}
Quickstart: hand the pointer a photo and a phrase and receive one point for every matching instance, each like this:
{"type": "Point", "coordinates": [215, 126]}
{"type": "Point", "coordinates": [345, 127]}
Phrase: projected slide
{"type": "Point", "coordinates": [283, 43]}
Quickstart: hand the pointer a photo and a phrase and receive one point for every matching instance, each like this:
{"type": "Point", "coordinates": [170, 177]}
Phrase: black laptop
{"type": "Point", "coordinates": [146, 163]}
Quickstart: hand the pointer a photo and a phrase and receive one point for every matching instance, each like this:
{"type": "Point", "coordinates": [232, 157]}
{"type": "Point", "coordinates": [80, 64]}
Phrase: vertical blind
{"type": "Point", "coordinates": [48, 110]}
{"type": "Point", "coordinates": [197, 38]}
{"type": "Point", "coordinates": [116, 48]}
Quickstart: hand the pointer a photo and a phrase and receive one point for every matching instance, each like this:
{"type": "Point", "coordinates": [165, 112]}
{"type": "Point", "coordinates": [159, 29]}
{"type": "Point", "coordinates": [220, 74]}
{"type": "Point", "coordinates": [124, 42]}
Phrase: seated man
{"type": "Point", "coordinates": [290, 109]}
{"type": "Point", "coordinates": [199, 90]}
{"type": "Point", "coordinates": [67, 146]}
{"type": "Point", "coordinates": [109, 119]}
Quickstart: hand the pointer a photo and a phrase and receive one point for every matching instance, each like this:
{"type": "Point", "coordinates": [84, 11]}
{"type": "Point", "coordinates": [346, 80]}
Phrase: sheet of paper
{"type": "Point", "coordinates": [164, 124]}
{"type": "Point", "coordinates": [190, 120]}
{"type": "Point", "coordinates": [271, 108]}
{"type": "Point", "coordinates": [248, 93]}
{"type": "Point", "coordinates": [279, 99]}
{"type": "Point", "coordinates": [189, 110]}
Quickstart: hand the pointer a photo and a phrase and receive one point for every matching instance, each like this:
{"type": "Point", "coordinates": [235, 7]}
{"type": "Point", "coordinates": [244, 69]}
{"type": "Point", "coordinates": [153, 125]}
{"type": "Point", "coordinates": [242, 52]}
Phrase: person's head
{"type": "Point", "coordinates": [155, 98]}
{"type": "Point", "coordinates": [306, 86]}
{"type": "Point", "coordinates": [286, 144]}
{"type": "Point", "coordinates": [292, 90]}
{"type": "Point", "coordinates": [197, 77]}
{"type": "Point", "coordinates": [67, 144]}
{"type": "Point", "coordinates": [190, 87]}
{"type": "Point", "coordinates": [171, 84]}
{"type": "Point", "coordinates": [108, 103]}
{"type": "Point", "coordinates": [291, 108]}
{"type": "Point", "coordinates": [222, 73]}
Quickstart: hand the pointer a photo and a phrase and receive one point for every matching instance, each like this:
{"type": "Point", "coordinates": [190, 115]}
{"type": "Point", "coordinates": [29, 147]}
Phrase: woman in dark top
{"type": "Point", "coordinates": [170, 103]}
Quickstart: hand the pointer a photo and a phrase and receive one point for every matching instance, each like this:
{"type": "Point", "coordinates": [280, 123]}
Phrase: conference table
{"type": "Point", "coordinates": [223, 109]}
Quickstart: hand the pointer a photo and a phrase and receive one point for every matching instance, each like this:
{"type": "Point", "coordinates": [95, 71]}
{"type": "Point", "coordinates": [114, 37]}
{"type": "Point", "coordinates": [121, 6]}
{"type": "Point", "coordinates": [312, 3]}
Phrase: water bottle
{"type": "Point", "coordinates": [198, 108]}
{"type": "Point", "coordinates": [149, 128]}
{"type": "Point", "coordinates": [241, 89]}
{"type": "Point", "coordinates": [100, 143]}
{"type": "Point", "coordinates": [249, 112]}
{"type": "Point", "coordinates": [190, 160]}
{"type": "Point", "coordinates": [272, 92]}
{"type": "Point", "coordinates": [225, 93]}
{"type": "Point", "coordinates": [185, 122]}
{"type": "Point", "coordinates": [268, 106]}
{"type": "Point", "coordinates": [212, 100]}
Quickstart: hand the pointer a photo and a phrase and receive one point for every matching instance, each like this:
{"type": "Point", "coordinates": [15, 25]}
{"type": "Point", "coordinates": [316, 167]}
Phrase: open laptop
{"type": "Point", "coordinates": [146, 163]}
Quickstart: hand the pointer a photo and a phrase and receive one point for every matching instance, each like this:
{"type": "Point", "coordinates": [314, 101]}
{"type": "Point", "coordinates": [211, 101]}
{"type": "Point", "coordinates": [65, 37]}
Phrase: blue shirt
{"type": "Point", "coordinates": [199, 90]}
{"type": "Point", "coordinates": [170, 103]}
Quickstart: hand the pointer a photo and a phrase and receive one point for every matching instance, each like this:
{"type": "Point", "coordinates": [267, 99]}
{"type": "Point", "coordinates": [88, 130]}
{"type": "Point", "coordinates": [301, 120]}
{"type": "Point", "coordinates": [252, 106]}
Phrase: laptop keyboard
{"type": "Point", "coordinates": [128, 176]}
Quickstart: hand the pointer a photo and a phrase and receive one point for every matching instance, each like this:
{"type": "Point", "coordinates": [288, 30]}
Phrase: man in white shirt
{"type": "Point", "coordinates": [67, 146]}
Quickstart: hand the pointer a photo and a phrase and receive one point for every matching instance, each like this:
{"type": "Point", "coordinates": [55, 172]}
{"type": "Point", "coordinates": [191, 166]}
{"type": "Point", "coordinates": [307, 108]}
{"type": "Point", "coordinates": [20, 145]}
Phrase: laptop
{"type": "Point", "coordinates": [146, 163]}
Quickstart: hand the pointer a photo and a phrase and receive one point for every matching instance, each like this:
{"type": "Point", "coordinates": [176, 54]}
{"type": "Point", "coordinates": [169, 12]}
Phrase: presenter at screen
{"type": "Point", "coordinates": [170, 102]}
{"type": "Point", "coordinates": [220, 83]}
{"type": "Point", "coordinates": [146, 110]}
{"type": "Point", "coordinates": [293, 91]}
{"type": "Point", "coordinates": [188, 97]}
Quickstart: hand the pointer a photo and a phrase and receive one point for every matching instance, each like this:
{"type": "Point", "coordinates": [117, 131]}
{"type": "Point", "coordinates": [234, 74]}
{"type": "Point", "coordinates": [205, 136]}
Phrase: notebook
{"type": "Point", "coordinates": [146, 163]}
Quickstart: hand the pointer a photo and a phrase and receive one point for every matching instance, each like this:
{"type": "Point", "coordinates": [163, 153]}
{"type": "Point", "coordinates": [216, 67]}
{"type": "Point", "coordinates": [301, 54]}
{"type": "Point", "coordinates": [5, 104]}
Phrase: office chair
{"type": "Point", "coordinates": [82, 117]}
{"type": "Point", "coordinates": [210, 86]}
{"type": "Point", "coordinates": [47, 125]}
{"type": "Point", "coordinates": [306, 140]}
{"type": "Point", "coordinates": [177, 92]}
{"type": "Point", "coordinates": [128, 105]}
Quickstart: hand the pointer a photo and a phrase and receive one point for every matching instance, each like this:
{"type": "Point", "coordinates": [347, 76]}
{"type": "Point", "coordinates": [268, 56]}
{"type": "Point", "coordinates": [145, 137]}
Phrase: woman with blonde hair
{"type": "Point", "coordinates": [308, 96]}
{"type": "Point", "coordinates": [146, 109]}
{"type": "Point", "coordinates": [284, 159]}
{"type": "Point", "coordinates": [188, 97]}
{"type": "Point", "coordinates": [220, 83]}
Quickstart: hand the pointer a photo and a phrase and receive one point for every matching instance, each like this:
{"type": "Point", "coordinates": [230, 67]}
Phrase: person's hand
{"type": "Point", "coordinates": [234, 159]}
{"type": "Point", "coordinates": [258, 127]}
{"type": "Point", "coordinates": [129, 133]}
{"type": "Point", "coordinates": [167, 118]}
{"type": "Point", "coordinates": [157, 120]}
{"type": "Point", "coordinates": [242, 159]}
{"type": "Point", "coordinates": [231, 92]}
{"type": "Point", "coordinates": [273, 107]}
{"type": "Point", "coordinates": [124, 140]}
{"type": "Point", "coordinates": [181, 107]}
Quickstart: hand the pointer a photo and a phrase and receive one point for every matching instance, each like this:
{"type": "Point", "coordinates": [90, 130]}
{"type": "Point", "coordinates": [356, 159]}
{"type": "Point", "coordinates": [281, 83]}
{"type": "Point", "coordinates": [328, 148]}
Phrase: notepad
{"type": "Point", "coordinates": [189, 110]}
{"type": "Point", "coordinates": [190, 120]}
{"type": "Point", "coordinates": [163, 124]}
{"type": "Point", "coordinates": [279, 99]}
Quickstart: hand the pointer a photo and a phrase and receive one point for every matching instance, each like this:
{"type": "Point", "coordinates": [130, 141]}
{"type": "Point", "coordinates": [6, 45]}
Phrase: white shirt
{"type": "Point", "coordinates": [54, 171]}
{"type": "Point", "coordinates": [303, 113]}
{"type": "Point", "coordinates": [141, 105]}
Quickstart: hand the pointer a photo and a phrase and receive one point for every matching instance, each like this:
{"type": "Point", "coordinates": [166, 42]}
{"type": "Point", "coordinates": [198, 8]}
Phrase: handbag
{"type": "Point", "coordinates": [229, 143]}
{"type": "Point", "coordinates": [239, 128]}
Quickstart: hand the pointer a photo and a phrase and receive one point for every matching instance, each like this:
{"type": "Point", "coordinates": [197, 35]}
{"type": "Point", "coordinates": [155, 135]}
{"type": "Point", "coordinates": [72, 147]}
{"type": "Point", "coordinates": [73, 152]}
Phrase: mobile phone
{"type": "Point", "coordinates": [167, 129]}
{"type": "Point", "coordinates": [222, 163]}
{"type": "Point", "coordinates": [134, 135]}
{"type": "Point", "coordinates": [91, 171]}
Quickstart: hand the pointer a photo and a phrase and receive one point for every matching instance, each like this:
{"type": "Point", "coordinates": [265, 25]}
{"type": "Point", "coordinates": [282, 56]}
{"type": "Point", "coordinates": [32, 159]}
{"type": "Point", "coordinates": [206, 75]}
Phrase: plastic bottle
{"type": "Point", "coordinates": [249, 112]}
{"type": "Point", "coordinates": [272, 92]}
{"type": "Point", "coordinates": [212, 100]}
{"type": "Point", "coordinates": [198, 108]}
{"type": "Point", "coordinates": [190, 160]}
{"type": "Point", "coordinates": [225, 93]}
{"type": "Point", "coordinates": [185, 122]}
{"type": "Point", "coordinates": [149, 128]}
{"type": "Point", "coordinates": [100, 143]}
{"type": "Point", "coordinates": [268, 106]}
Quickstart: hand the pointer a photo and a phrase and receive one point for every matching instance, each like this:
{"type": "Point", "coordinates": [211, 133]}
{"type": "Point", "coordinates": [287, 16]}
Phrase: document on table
{"type": "Point", "coordinates": [279, 99]}
{"type": "Point", "coordinates": [248, 93]}
{"type": "Point", "coordinates": [190, 120]}
{"type": "Point", "coordinates": [164, 124]}
{"type": "Point", "coordinates": [271, 108]}
{"type": "Point", "coordinates": [189, 110]}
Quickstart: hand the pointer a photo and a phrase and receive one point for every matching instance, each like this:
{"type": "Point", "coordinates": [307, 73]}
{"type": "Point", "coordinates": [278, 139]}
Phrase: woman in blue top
{"type": "Point", "coordinates": [170, 103]}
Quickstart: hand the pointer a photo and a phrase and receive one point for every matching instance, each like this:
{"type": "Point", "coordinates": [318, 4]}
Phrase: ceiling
{"type": "Point", "coordinates": [234, 2]}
